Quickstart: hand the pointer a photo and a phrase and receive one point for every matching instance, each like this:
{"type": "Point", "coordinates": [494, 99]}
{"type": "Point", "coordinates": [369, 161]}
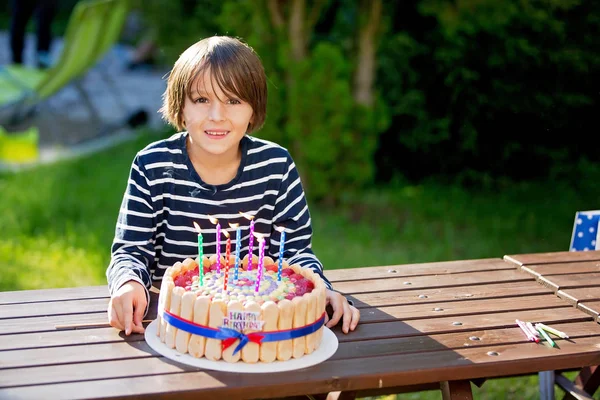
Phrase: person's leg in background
{"type": "Point", "coordinates": [21, 11]}
{"type": "Point", "coordinates": [46, 9]}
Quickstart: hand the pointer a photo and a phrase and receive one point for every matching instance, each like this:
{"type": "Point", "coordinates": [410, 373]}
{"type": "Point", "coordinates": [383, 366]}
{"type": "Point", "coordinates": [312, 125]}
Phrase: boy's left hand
{"type": "Point", "coordinates": [341, 310]}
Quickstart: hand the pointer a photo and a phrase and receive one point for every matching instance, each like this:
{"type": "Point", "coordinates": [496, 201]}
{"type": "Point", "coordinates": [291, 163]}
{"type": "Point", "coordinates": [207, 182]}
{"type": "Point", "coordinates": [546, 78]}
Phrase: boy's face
{"type": "Point", "coordinates": [215, 120]}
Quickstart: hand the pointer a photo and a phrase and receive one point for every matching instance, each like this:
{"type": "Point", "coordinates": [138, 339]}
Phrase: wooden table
{"type": "Point", "coordinates": [424, 326]}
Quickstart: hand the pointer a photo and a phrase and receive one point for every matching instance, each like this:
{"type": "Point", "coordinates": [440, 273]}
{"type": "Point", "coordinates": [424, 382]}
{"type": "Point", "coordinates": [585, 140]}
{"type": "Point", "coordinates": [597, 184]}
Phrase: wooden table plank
{"type": "Point", "coordinates": [50, 323]}
{"type": "Point", "coordinates": [335, 375]}
{"type": "Point", "coordinates": [553, 257]}
{"type": "Point", "coordinates": [590, 307]}
{"type": "Point", "coordinates": [563, 268]}
{"type": "Point", "coordinates": [429, 295]}
{"type": "Point", "coordinates": [463, 307]}
{"type": "Point", "coordinates": [53, 308]}
{"type": "Point", "coordinates": [467, 323]}
{"type": "Point", "coordinates": [573, 281]}
{"type": "Point", "coordinates": [44, 295]}
{"type": "Point", "coordinates": [64, 338]}
{"type": "Point", "coordinates": [579, 294]}
{"type": "Point", "coordinates": [431, 282]}
{"type": "Point", "coordinates": [71, 354]}
{"type": "Point", "coordinates": [420, 269]}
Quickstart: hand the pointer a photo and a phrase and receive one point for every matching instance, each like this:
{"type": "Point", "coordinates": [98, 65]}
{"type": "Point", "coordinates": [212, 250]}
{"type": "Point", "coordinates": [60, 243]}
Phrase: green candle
{"type": "Point", "coordinates": [200, 255]}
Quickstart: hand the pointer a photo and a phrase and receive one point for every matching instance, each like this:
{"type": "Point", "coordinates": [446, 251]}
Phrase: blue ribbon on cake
{"type": "Point", "coordinates": [229, 336]}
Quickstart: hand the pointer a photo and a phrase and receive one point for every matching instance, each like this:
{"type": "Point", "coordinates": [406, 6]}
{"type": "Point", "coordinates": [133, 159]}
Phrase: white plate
{"type": "Point", "coordinates": [327, 348]}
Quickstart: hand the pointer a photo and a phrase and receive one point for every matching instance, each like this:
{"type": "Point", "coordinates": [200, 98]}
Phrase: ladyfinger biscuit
{"type": "Point", "coordinates": [311, 310]}
{"type": "Point", "coordinates": [175, 308]}
{"type": "Point", "coordinates": [168, 292]}
{"type": "Point", "coordinates": [228, 355]}
{"type": "Point", "coordinates": [182, 337]}
{"type": "Point", "coordinates": [269, 314]}
{"type": "Point", "coordinates": [268, 261]}
{"type": "Point", "coordinates": [215, 320]}
{"type": "Point", "coordinates": [205, 261]}
{"type": "Point", "coordinates": [251, 351]}
{"type": "Point", "coordinates": [299, 344]}
{"type": "Point", "coordinates": [197, 342]}
{"type": "Point", "coordinates": [176, 269]}
{"type": "Point", "coordinates": [321, 301]}
{"type": "Point", "coordinates": [162, 294]}
{"type": "Point", "coordinates": [286, 319]}
{"type": "Point", "coordinates": [188, 264]}
{"type": "Point", "coordinates": [245, 262]}
{"type": "Point", "coordinates": [213, 260]}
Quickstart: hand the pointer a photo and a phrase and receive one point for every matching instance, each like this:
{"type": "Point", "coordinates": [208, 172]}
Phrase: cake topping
{"type": "Point", "coordinates": [292, 284]}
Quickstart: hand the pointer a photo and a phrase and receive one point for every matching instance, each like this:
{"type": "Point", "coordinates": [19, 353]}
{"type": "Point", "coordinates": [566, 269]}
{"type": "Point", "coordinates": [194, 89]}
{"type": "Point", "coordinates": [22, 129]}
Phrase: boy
{"type": "Point", "coordinates": [217, 92]}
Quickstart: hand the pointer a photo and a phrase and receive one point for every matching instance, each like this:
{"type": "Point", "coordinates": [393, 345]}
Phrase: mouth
{"type": "Point", "coordinates": [217, 134]}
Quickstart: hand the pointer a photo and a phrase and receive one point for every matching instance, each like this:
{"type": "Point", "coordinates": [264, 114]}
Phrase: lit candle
{"type": "Point", "coordinates": [250, 240]}
{"type": "Point", "coordinates": [200, 255]}
{"type": "Point", "coordinates": [281, 244]}
{"type": "Point", "coordinates": [227, 253]}
{"type": "Point", "coordinates": [218, 236]}
{"type": "Point", "coordinates": [238, 244]}
{"type": "Point", "coordinates": [261, 256]}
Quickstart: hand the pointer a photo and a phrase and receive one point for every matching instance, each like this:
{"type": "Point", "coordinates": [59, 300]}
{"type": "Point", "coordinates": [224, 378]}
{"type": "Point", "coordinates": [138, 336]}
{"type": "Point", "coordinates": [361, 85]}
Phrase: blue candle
{"type": "Point", "coordinates": [200, 255]}
{"type": "Point", "coordinates": [281, 245]}
{"type": "Point", "coordinates": [238, 244]}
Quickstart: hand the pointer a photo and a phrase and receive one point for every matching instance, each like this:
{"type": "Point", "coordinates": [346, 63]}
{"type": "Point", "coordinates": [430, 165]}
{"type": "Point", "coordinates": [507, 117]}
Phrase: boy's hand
{"type": "Point", "coordinates": [126, 308]}
{"type": "Point", "coordinates": [341, 308]}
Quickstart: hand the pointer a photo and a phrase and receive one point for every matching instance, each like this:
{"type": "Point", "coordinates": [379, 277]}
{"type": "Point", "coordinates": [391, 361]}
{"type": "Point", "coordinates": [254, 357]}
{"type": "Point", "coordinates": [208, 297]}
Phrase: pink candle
{"type": "Point", "coordinates": [218, 244]}
{"type": "Point", "coordinates": [261, 256]}
{"type": "Point", "coordinates": [250, 240]}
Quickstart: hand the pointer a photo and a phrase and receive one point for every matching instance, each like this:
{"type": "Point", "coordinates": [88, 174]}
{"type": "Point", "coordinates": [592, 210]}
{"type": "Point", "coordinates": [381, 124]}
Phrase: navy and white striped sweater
{"type": "Point", "coordinates": [165, 195]}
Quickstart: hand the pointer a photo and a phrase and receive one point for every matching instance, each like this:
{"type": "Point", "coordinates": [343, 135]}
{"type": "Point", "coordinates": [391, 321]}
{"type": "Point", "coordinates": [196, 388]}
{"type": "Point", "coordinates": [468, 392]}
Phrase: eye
{"type": "Point", "coordinates": [233, 101]}
{"type": "Point", "coordinates": [201, 100]}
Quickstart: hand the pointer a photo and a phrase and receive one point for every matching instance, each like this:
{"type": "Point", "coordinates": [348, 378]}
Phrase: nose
{"type": "Point", "coordinates": [216, 111]}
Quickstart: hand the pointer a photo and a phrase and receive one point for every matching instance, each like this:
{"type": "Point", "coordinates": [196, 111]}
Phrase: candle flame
{"type": "Point", "coordinates": [280, 229]}
{"type": "Point", "coordinates": [197, 227]}
{"type": "Point", "coordinates": [213, 220]}
{"type": "Point", "coordinates": [226, 234]}
{"type": "Point", "coordinates": [247, 216]}
{"type": "Point", "coordinates": [233, 226]}
{"type": "Point", "coordinates": [259, 236]}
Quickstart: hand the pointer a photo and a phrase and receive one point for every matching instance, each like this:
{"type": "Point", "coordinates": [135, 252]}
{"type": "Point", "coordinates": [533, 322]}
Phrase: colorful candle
{"type": "Point", "coordinates": [227, 253]}
{"type": "Point", "coordinates": [250, 240]}
{"type": "Point", "coordinates": [281, 246]}
{"type": "Point", "coordinates": [552, 330]}
{"type": "Point", "coordinates": [261, 256]}
{"type": "Point", "coordinates": [545, 336]}
{"type": "Point", "coordinates": [238, 244]}
{"type": "Point", "coordinates": [218, 244]}
{"type": "Point", "coordinates": [200, 255]}
{"type": "Point", "coordinates": [526, 331]}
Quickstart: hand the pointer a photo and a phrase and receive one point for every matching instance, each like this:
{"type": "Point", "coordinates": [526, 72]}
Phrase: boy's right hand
{"type": "Point", "coordinates": [127, 306]}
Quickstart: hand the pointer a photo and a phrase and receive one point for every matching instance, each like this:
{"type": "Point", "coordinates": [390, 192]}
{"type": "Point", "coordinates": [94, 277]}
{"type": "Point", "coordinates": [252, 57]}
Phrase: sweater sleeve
{"type": "Point", "coordinates": [291, 212]}
{"type": "Point", "coordinates": [132, 252]}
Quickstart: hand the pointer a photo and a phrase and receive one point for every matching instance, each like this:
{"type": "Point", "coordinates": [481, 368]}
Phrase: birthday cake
{"type": "Point", "coordinates": [259, 312]}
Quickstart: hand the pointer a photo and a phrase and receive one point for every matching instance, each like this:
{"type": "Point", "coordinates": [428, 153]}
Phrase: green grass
{"type": "Point", "coordinates": [58, 222]}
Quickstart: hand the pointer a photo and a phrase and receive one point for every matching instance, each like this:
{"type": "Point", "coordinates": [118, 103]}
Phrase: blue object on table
{"type": "Point", "coordinates": [585, 231]}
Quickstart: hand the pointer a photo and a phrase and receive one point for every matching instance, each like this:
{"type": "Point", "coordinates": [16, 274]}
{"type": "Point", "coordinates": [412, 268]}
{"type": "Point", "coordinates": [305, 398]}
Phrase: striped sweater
{"type": "Point", "coordinates": [165, 195]}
